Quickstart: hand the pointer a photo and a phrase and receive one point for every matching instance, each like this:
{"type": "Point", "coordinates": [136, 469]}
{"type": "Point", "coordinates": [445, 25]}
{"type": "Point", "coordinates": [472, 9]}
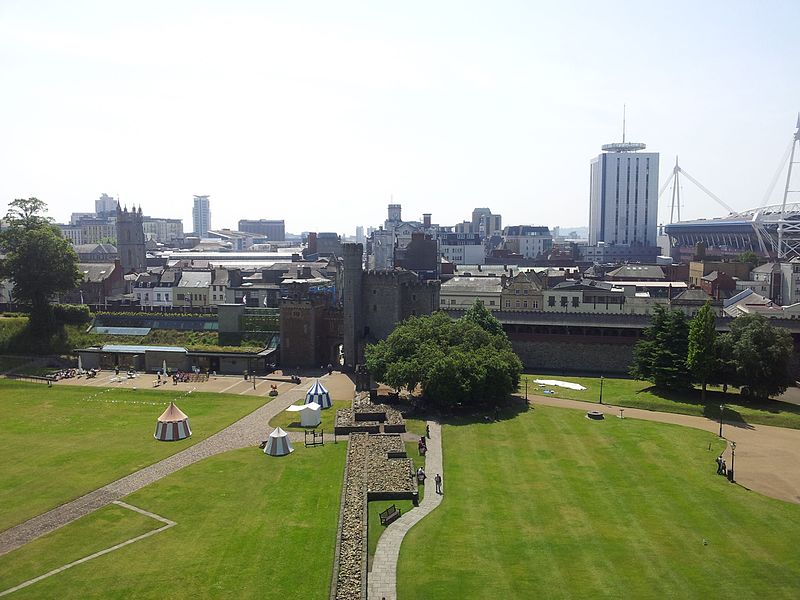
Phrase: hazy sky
{"type": "Point", "coordinates": [320, 112]}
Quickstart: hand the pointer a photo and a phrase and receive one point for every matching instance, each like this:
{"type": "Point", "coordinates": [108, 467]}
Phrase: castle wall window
{"type": "Point", "coordinates": [551, 301]}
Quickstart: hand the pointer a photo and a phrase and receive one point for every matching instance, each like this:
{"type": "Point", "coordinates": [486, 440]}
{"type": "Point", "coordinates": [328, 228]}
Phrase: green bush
{"type": "Point", "coordinates": [72, 314]}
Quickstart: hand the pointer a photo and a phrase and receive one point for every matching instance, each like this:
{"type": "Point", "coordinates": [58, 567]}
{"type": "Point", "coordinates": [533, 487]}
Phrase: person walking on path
{"type": "Point", "coordinates": [438, 481]}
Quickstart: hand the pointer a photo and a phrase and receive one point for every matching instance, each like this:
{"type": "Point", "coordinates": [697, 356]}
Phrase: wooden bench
{"type": "Point", "coordinates": [390, 514]}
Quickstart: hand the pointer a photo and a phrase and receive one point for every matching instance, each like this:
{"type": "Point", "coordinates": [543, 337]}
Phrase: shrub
{"type": "Point", "coordinates": [72, 314]}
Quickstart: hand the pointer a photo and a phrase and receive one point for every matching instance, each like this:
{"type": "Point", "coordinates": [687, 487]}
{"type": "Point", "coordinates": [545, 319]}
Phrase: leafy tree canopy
{"type": "Point", "coordinates": [750, 258]}
{"type": "Point", "coordinates": [661, 356]}
{"type": "Point", "coordinates": [482, 316]}
{"type": "Point", "coordinates": [38, 259]}
{"type": "Point", "coordinates": [701, 359]}
{"type": "Point", "coordinates": [757, 355]}
{"type": "Point", "coordinates": [454, 361]}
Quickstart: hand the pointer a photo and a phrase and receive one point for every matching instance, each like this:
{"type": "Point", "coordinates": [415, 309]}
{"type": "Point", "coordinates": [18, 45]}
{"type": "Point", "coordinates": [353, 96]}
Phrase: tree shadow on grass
{"type": "Point", "coordinates": [485, 414]}
{"type": "Point", "coordinates": [714, 399]}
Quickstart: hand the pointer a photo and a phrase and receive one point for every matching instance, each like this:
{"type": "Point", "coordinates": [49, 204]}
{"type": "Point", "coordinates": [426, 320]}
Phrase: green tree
{"type": "Point", "coordinates": [454, 361]}
{"type": "Point", "coordinates": [749, 257]}
{"type": "Point", "coordinates": [757, 356]}
{"type": "Point", "coordinates": [701, 358]}
{"type": "Point", "coordinates": [480, 315]}
{"type": "Point", "coordinates": [661, 356]}
{"type": "Point", "coordinates": [38, 260]}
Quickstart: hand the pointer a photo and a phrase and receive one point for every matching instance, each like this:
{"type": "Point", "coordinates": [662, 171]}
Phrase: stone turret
{"type": "Point", "coordinates": [130, 240]}
{"type": "Point", "coordinates": [353, 317]}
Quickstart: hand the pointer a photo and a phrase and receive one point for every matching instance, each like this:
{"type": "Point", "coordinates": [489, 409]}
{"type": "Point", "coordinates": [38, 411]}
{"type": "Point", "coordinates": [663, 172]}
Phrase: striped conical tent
{"type": "Point", "coordinates": [172, 425]}
{"type": "Point", "coordinates": [317, 393]}
{"type": "Point", "coordinates": [278, 443]}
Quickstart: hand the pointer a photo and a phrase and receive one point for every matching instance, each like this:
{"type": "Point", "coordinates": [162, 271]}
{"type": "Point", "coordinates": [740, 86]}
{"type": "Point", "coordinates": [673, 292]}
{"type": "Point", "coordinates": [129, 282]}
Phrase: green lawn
{"type": "Point", "coordinates": [290, 421]}
{"type": "Point", "coordinates": [248, 526]}
{"type": "Point", "coordinates": [552, 505]}
{"type": "Point", "coordinates": [375, 508]}
{"type": "Point", "coordinates": [61, 442]}
{"type": "Point", "coordinates": [640, 394]}
{"type": "Point", "coordinates": [107, 527]}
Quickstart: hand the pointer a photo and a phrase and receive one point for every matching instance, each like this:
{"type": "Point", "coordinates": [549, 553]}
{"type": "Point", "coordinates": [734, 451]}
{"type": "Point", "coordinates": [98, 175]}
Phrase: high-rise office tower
{"type": "Point", "coordinates": [201, 215]}
{"type": "Point", "coordinates": [623, 195]}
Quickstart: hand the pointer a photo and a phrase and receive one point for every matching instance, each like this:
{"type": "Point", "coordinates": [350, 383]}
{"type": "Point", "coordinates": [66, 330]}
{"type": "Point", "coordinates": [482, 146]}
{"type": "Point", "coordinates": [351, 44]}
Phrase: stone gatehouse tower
{"type": "Point", "coordinates": [374, 302]}
{"type": "Point", "coordinates": [130, 240]}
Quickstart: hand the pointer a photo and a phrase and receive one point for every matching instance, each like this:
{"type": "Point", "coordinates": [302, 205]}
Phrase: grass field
{"type": "Point", "coordinates": [248, 526]}
{"type": "Point", "coordinates": [61, 442]}
{"type": "Point", "coordinates": [552, 505]}
{"type": "Point", "coordinates": [640, 394]}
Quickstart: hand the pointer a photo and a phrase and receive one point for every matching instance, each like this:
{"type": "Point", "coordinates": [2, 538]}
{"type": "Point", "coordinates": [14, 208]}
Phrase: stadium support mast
{"type": "Point", "coordinates": [789, 230]}
{"type": "Point", "coordinates": [676, 193]}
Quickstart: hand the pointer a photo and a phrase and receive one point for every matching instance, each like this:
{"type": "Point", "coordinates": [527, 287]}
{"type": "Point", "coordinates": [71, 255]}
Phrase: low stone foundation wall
{"type": "Point", "coordinates": [350, 568]}
{"type": "Point", "coordinates": [370, 474]}
{"type": "Point", "coordinates": [365, 416]}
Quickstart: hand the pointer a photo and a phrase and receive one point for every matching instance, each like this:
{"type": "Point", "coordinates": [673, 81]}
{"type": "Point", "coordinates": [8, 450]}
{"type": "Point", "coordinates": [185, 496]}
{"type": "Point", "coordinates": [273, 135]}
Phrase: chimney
{"type": "Point", "coordinates": [426, 219]}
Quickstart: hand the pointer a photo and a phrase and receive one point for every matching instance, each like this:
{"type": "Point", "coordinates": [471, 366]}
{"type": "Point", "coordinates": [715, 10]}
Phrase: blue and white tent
{"type": "Point", "coordinates": [317, 393]}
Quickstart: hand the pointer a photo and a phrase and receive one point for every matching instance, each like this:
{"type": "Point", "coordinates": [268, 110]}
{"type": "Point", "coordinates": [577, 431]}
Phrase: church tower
{"type": "Point", "coordinates": [130, 240]}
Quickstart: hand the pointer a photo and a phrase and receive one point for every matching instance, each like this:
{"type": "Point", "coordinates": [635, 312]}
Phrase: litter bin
{"type": "Point", "coordinates": [730, 475]}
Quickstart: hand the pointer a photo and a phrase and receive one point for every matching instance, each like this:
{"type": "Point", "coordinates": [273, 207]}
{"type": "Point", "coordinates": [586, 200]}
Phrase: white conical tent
{"type": "Point", "coordinates": [309, 414]}
{"type": "Point", "coordinates": [172, 425]}
{"type": "Point", "coordinates": [278, 443]}
{"type": "Point", "coordinates": [317, 393]}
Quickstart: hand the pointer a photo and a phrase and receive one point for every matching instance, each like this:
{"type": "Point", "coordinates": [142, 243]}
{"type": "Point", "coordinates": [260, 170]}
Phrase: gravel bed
{"type": "Point", "coordinates": [389, 474]}
{"type": "Point", "coordinates": [353, 542]}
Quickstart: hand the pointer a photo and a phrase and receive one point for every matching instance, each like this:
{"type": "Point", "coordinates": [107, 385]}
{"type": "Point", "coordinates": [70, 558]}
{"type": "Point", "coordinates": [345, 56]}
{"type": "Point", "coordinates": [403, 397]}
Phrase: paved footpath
{"type": "Point", "coordinates": [248, 431]}
{"type": "Point", "coordinates": [767, 458]}
{"type": "Point", "coordinates": [383, 576]}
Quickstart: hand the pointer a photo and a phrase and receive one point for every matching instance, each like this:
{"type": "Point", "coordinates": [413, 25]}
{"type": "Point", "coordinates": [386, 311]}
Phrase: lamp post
{"type": "Point", "coordinates": [733, 461]}
{"type": "Point", "coordinates": [601, 389]}
{"type": "Point", "coordinates": [526, 389]}
{"type": "Point", "coordinates": [721, 410]}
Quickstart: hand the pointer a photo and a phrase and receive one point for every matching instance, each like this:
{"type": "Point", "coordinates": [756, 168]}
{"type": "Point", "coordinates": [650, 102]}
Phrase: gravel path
{"type": "Point", "coordinates": [248, 431]}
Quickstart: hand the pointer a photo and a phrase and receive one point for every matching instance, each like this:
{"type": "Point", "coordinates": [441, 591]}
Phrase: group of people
{"type": "Point", "coordinates": [421, 477]}
{"type": "Point", "coordinates": [722, 468]}
{"type": "Point", "coordinates": [65, 374]}
{"type": "Point", "coordinates": [422, 446]}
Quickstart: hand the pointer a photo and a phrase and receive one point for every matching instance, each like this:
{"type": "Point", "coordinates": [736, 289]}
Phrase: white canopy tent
{"type": "Point", "coordinates": [309, 413]}
{"type": "Point", "coordinates": [317, 393]}
{"type": "Point", "coordinates": [278, 443]}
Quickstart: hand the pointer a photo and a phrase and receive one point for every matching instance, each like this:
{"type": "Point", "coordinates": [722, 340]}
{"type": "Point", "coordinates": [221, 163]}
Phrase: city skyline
{"type": "Point", "coordinates": [323, 120]}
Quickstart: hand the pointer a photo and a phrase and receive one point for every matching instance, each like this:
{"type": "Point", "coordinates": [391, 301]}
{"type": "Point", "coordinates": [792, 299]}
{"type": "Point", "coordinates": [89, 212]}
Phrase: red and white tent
{"type": "Point", "coordinates": [278, 443]}
{"type": "Point", "coordinates": [172, 425]}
